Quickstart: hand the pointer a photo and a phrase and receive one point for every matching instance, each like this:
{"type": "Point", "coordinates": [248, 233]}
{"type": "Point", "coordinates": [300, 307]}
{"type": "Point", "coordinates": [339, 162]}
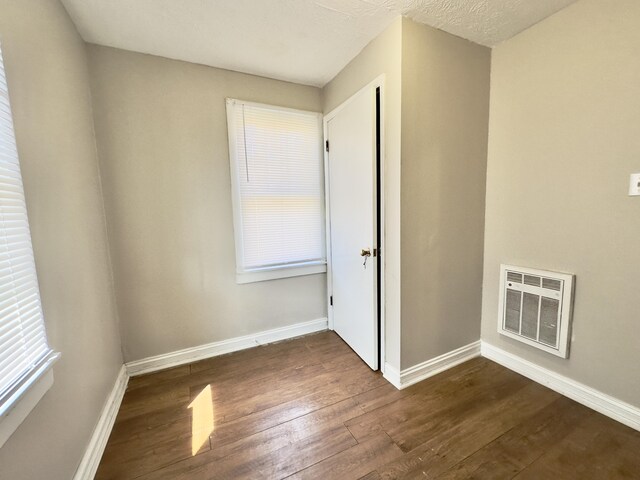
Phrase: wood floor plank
{"type": "Point", "coordinates": [141, 426]}
{"type": "Point", "coordinates": [446, 391]}
{"type": "Point", "coordinates": [151, 401]}
{"type": "Point", "coordinates": [157, 378]}
{"type": "Point", "coordinates": [519, 447]}
{"type": "Point", "coordinates": [250, 424]}
{"type": "Point", "coordinates": [450, 438]}
{"type": "Point", "coordinates": [355, 462]}
{"type": "Point", "coordinates": [135, 457]}
{"type": "Point", "coordinates": [234, 403]}
{"type": "Point", "coordinates": [143, 401]}
{"type": "Point", "coordinates": [311, 408]}
{"type": "Point", "coordinates": [278, 463]}
{"type": "Point", "coordinates": [484, 412]}
{"type": "Point", "coordinates": [325, 341]}
{"type": "Point", "coordinates": [316, 422]}
{"type": "Point", "coordinates": [371, 476]}
{"type": "Point", "coordinates": [290, 458]}
{"type": "Point", "coordinates": [379, 397]}
{"type": "Point", "coordinates": [247, 449]}
{"type": "Point", "coordinates": [597, 449]}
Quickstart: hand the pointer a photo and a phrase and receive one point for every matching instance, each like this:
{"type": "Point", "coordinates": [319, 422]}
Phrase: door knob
{"type": "Point", "coordinates": [365, 252]}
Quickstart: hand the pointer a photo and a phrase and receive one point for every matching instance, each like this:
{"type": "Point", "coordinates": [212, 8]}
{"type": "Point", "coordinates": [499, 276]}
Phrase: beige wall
{"type": "Point", "coordinates": [382, 56]}
{"type": "Point", "coordinates": [445, 111]}
{"type": "Point", "coordinates": [162, 139]}
{"type": "Point", "coordinates": [564, 137]}
{"type": "Point", "coordinates": [48, 81]}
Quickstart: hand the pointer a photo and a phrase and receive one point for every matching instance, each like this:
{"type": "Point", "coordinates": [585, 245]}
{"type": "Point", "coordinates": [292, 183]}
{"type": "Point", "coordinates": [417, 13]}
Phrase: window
{"type": "Point", "coordinates": [25, 356]}
{"type": "Point", "coordinates": [277, 181]}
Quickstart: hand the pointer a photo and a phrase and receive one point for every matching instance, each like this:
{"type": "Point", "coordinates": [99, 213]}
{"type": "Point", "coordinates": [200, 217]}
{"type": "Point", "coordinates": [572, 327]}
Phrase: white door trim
{"type": "Point", "coordinates": [378, 82]}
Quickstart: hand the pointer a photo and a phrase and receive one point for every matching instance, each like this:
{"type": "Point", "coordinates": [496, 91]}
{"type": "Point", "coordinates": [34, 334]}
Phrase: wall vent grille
{"type": "Point", "coordinates": [535, 308]}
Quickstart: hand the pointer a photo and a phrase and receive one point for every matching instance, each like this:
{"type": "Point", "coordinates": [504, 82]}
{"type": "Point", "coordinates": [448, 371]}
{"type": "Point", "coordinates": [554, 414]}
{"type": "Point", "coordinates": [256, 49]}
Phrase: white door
{"type": "Point", "coordinates": [351, 163]}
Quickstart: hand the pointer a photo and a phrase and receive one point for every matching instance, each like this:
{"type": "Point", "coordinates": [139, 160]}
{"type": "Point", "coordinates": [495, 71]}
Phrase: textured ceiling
{"type": "Point", "coordinates": [487, 22]}
{"type": "Point", "coordinates": [303, 41]}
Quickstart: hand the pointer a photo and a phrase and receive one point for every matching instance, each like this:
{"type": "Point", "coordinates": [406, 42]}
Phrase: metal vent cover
{"type": "Point", "coordinates": [535, 307]}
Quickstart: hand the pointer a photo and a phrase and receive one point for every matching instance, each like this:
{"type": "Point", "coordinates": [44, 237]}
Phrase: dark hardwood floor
{"type": "Point", "coordinates": [309, 408]}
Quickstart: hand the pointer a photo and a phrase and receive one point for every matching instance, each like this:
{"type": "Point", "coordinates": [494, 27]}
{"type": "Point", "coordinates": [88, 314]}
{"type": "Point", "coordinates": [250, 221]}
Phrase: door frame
{"type": "Point", "coordinates": [377, 83]}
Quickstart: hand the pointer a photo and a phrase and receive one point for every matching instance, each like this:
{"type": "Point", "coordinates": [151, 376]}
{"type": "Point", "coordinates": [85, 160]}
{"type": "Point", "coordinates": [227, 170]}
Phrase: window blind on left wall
{"type": "Point", "coordinates": [25, 354]}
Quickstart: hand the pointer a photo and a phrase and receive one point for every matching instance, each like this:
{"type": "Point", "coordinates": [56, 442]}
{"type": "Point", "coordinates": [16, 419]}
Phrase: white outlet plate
{"type": "Point", "coordinates": [634, 185]}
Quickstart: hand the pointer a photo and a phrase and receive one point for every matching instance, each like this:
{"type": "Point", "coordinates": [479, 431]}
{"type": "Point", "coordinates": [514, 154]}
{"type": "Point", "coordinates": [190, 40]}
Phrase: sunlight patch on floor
{"type": "Point", "coordinates": [202, 424]}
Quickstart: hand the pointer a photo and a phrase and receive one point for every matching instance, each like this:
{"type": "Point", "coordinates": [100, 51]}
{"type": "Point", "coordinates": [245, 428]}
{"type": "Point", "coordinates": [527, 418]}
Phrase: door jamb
{"type": "Point", "coordinates": [378, 82]}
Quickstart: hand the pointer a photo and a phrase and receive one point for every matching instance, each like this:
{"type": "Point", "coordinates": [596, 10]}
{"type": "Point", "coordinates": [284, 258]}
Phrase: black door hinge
{"type": "Point", "coordinates": [326, 145]}
{"type": "Point", "coordinates": [331, 300]}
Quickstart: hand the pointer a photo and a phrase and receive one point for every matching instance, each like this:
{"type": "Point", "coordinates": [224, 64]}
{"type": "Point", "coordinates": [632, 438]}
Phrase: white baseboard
{"type": "Point", "coordinates": [201, 352]}
{"type": "Point", "coordinates": [424, 370]}
{"type": "Point", "coordinates": [392, 375]}
{"type": "Point", "coordinates": [590, 397]}
{"type": "Point", "coordinates": [93, 454]}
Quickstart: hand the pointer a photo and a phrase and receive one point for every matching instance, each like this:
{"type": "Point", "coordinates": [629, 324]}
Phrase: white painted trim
{"type": "Point", "coordinates": [261, 275]}
{"type": "Point", "coordinates": [590, 397]}
{"type": "Point", "coordinates": [93, 454]}
{"type": "Point", "coordinates": [432, 367]}
{"type": "Point", "coordinates": [424, 370]}
{"type": "Point", "coordinates": [201, 352]}
{"type": "Point", "coordinates": [327, 225]}
{"type": "Point", "coordinates": [392, 375]}
{"type": "Point", "coordinates": [10, 422]}
{"type": "Point", "coordinates": [383, 229]}
{"type": "Point", "coordinates": [24, 397]}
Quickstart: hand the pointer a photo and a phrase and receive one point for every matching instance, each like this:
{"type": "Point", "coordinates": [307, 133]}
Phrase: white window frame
{"type": "Point", "coordinates": [270, 272]}
{"type": "Point", "coordinates": [23, 398]}
{"type": "Point", "coordinates": [24, 394]}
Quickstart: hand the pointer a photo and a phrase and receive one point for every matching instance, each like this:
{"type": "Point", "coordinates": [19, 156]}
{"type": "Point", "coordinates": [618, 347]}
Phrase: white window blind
{"type": "Point", "coordinates": [24, 353]}
{"type": "Point", "coordinates": [278, 188]}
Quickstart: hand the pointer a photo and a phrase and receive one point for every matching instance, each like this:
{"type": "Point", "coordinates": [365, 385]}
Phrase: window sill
{"type": "Point", "coordinates": [280, 272]}
{"type": "Point", "coordinates": [25, 397]}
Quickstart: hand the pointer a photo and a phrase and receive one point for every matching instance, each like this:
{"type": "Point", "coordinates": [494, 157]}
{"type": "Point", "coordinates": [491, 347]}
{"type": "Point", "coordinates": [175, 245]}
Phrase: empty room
{"type": "Point", "coordinates": [319, 239]}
